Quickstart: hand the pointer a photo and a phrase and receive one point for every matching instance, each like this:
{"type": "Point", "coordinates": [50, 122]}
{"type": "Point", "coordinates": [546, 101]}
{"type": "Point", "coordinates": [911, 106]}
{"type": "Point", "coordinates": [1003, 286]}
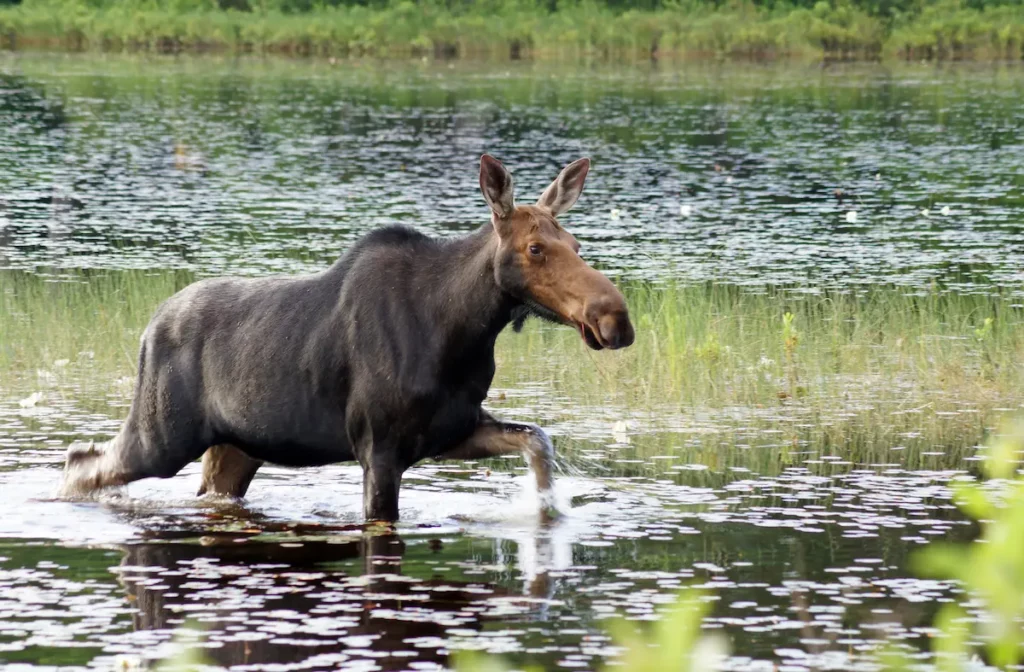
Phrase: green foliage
{"type": "Point", "coordinates": [984, 333]}
{"type": "Point", "coordinates": [674, 642]}
{"type": "Point", "coordinates": [992, 568]}
{"type": "Point", "coordinates": [533, 28]}
{"type": "Point", "coordinates": [955, 29]}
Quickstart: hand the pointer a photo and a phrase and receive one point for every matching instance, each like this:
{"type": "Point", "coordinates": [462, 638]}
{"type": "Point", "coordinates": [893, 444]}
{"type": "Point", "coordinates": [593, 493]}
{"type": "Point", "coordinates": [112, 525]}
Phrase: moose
{"type": "Point", "coordinates": [385, 357]}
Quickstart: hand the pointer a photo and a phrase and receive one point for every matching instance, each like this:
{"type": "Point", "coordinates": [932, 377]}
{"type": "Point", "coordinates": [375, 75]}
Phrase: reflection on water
{"type": "Point", "coordinates": [322, 603]}
{"type": "Point", "coordinates": [744, 174]}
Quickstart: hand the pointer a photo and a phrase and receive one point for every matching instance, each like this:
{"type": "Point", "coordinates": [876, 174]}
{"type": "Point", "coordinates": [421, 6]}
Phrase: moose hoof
{"type": "Point", "coordinates": [549, 511]}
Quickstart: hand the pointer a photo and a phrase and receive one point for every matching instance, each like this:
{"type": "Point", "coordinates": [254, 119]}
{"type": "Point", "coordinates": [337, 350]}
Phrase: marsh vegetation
{"type": "Point", "coordinates": [751, 29]}
{"type": "Point", "coordinates": [860, 373]}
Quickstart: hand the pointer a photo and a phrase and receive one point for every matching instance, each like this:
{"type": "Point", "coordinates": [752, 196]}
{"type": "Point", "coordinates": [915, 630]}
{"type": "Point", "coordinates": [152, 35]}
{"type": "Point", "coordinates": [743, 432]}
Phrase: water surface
{"type": "Point", "coordinates": [254, 167]}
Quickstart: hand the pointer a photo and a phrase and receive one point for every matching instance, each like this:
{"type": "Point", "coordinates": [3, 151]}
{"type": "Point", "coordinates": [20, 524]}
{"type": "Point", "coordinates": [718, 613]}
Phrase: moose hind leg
{"type": "Point", "coordinates": [382, 479]}
{"type": "Point", "coordinates": [91, 467]}
{"type": "Point", "coordinates": [120, 461]}
{"type": "Point", "coordinates": [228, 471]}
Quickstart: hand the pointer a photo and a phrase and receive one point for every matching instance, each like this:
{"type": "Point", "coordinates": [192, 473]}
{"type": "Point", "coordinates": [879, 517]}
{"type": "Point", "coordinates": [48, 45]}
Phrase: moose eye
{"type": "Point", "coordinates": [536, 249]}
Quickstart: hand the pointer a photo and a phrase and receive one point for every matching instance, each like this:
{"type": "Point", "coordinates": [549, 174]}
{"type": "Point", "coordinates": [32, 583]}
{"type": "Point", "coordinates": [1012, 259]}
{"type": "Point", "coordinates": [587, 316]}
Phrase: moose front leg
{"type": "Point", "coordinates": [494, 438]}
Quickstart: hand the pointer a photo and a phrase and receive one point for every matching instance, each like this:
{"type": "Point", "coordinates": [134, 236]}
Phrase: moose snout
{"type": "Point", "coordinates": [616, 330]}
{"type": "Point", "coordinates": [609, 318]}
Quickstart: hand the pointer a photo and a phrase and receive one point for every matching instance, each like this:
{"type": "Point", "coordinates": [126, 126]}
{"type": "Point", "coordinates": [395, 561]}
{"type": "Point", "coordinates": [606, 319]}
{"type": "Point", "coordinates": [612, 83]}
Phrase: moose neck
{"type": "Point", "coordinates": [475, 308]}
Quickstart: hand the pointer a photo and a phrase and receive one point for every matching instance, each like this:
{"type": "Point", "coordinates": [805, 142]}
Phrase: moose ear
{"type": "Point", "coordinates": [566, 188]}
{"type": "Point", "coordinates": [496, 185]}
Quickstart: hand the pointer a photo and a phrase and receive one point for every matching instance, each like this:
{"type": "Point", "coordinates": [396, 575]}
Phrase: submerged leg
{"type": "Point", "coordinates": [495, 439]}
{"type": "Point", "coordinates": [382, 478]}
{"type": "Point", "coordinates": [227, 471]}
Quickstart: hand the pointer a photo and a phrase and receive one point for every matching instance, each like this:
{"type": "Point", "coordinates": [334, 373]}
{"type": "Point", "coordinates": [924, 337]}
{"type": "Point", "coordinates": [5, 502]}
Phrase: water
{"type": "Point", "coordinates": [254, 168]}
{"type": "Point", "coordinates": [257, 167]}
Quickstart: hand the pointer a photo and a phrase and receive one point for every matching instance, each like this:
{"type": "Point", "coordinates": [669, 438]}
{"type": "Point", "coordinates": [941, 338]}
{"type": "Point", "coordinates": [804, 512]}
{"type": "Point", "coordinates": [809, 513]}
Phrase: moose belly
{"type": "Point", "coordinates": [298, 434]}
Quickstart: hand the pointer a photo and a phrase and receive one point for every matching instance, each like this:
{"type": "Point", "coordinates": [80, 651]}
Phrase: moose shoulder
{"type": "Point", "coordinates": [384, 358]}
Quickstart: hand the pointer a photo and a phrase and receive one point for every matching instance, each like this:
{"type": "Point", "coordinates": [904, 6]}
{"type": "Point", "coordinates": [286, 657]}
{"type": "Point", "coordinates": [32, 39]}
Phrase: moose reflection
{"type": "Point", "coordinates": [327, 602]}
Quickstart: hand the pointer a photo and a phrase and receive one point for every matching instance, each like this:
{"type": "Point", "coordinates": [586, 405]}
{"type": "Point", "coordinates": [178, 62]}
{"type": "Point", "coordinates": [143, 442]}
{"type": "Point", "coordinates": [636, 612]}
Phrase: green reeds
{"type": "Point", "coordinates": [871, 370]}
{"type": "Point", "coordinates": [519, 29]}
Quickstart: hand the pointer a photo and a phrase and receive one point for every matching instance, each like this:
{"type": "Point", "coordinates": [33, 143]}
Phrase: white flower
{"type": "Point", "coordinates": [926, 212]}
{"type": "Point", "coordinates": [685, 209]}
{"type": "Point", "coordinates": [31, 400]}
{"type": "Point", "coordinates": [620, 431]}
{"type": "Point", "coordinates": [615, 213]}
{"type": "Point", "coordinates": [945, 210]}
{"type": "Point", "coordinates": [851, 217]}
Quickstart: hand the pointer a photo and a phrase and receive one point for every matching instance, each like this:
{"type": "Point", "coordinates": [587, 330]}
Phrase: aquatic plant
{"type": "Point", "coordinates": [991, 569]}
{"type": "Point", "coordinates": [790, 338]}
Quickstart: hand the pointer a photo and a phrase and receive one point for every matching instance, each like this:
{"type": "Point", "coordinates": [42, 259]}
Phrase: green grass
{"type": "Point", "coordinates": [713, 365]}
{"type": "Point", "coordinates": [949, 30]}
{"type": "Point", "coordinates": [853, 373]}
{"type": "Point", "coordinates": [517, 29]}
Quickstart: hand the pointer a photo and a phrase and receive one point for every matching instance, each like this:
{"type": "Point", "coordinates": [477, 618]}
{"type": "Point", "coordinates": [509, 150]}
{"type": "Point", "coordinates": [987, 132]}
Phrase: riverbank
{"type": "Point", "coordinates": [404, 29]}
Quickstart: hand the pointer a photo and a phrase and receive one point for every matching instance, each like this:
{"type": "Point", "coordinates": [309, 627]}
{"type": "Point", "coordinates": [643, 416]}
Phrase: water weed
{"type": "Point", "coordinates": [986, 624]}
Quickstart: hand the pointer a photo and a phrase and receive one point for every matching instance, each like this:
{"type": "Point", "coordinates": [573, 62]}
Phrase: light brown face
{"type": "Point", "coordinates": [539, 262]}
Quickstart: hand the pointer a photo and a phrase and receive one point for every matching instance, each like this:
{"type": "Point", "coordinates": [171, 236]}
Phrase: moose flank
{"type": "Point", "coordinates": [385, 357]}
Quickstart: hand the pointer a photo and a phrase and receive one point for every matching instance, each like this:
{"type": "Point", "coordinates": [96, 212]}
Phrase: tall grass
{"type": "Point", "coordinates": [404, 28]}
{"type": "Point", "coordinates": [854, 373]}
{"type": "Point", "coordinates": [723, 345]}
{"type": "Point", "coordinates": [950, 30]}
{"type": "Point", "coordinates": [873, 369]}
{"type": "Point", "coordinates": [519, 29]}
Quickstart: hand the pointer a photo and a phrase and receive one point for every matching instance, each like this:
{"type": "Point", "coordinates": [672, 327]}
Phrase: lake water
{"type": "Point", "coordinates": [735, 174]}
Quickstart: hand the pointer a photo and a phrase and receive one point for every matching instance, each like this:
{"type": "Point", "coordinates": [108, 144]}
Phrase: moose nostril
{"type": "Point", "coordinates": [616, 330]}
{"type": "Point", "coordinates": [610, 318]}
{"type": "Point", "coordinates": [626, 333]}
